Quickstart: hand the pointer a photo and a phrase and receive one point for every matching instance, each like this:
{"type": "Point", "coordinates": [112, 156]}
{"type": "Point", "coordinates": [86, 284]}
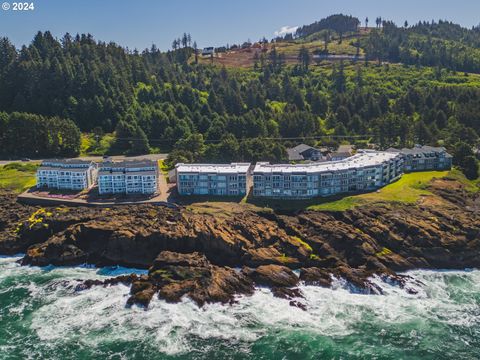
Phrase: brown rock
{"type": "Point", "coordinates": [316, 276]}
{"type": "Point", "coordinates": [141, 298]}
{"type": "Point", "coordinates": [287, 293]}
{"type": "Point", "coordinates": [193, 275]}
{"type": "Point", "coordinates": [272, 275]}
{"type": "Point", "coordinates": [190, 251]}
{"type": "Point", "coordinates": [169, 258]}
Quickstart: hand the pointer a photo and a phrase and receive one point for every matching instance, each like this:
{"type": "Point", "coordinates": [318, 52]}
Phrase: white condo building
{"type": "Point", "coordinates": [128, 177]}
{"type": "Point", "coordinates": [212, 179]}
{"type": "Point", "coordinates": [66, 174]}
{"type": "Point", "coordinates": [367, 170]}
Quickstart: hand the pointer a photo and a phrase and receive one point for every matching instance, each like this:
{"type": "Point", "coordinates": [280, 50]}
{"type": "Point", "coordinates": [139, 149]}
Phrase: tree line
{"type": "Point", "coordinates": [165, 101]}
{"type": "Point", "coordinates": [438, 44]}
{"type": "Point", "coordinates": [34, 135]}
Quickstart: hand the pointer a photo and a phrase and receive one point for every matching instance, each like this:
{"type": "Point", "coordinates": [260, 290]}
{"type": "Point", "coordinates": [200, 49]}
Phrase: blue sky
{"type": "Point", "coordinates": [139, 23]}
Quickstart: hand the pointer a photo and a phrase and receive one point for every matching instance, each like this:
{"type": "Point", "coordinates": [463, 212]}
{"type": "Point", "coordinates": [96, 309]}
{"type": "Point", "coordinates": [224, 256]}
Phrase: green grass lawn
{"type": "Point", "coordinates": [407, 189]}
{"type": "Point", "coordinates": [17, 177]}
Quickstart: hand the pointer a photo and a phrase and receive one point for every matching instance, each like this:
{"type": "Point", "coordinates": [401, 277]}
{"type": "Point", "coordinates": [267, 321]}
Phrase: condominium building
{"type": "Point", "coordinates": [423, 158]}
{"type": "Point", "coordinates": [212, 179]}
{"type": "Point", "coordinates": [67, 174]}
{"type": "Point", "coordinates": [367, 170]}
{"type": "Point", "coordinates": [128, 177]}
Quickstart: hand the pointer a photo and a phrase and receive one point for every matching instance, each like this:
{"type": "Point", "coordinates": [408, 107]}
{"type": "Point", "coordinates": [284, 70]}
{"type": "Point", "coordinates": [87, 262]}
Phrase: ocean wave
{"type": "Point", "coordinates": [96, 318]}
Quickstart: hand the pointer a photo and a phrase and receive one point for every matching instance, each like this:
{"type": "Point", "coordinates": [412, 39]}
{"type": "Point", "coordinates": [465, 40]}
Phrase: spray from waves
{"type": "Point", "coordinates": [96, 320]}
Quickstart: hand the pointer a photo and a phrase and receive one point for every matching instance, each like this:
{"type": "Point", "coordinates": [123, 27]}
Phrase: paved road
{"type": "Point", "coordinates": [100, 158]}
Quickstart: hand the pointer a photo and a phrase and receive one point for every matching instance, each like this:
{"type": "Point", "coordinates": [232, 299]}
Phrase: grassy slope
{"type": "Point", "coordinates": [17, 177]}
{"type": "Point", "coordinates": [245, 59]}
{"type": "Point", "coordinates": [407, 190]}
{"type": "Point", "coordinates": [471, 186]}
{"type": "Point", "coordinates": [88, 146]}
{"type": "Point", "coordinates": [334, 47]}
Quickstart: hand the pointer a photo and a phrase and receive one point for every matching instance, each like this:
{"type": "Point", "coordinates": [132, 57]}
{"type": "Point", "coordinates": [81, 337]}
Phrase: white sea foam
{"type": "Point", "coordinates": [99, 315]}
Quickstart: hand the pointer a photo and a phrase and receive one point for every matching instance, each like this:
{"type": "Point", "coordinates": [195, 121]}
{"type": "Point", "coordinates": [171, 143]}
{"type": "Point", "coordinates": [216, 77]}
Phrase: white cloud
{"type": "Point", "coordinates": [284, 30]}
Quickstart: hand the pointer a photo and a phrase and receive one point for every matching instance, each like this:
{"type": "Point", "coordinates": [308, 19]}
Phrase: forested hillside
{"type": "Point", "coordinates": [418, 85]}
{"type": "Point", "coordinates": [338, 23]}
{"type": "Point", "coordinates": [441, 44]}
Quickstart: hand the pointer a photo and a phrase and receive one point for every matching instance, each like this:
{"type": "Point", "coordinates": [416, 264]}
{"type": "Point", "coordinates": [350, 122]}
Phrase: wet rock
{"type": "Point", "coordinates": [192, 252]}
{"type": "Point", "coordinates": [87, 284]}
{"type": "Point", "coordinates": [54, 252]}
{"type": "Point", "coordinates": [316, 276]}
{"type": "Point", "coordinates": [122, 279]}
{"type": "Point", "coordinates": [272, 276]}
{"type": "Point", "coordinates": [169, 258]}
{"type": "Point", "coordinates": [141, 298]}
{"type": "Point", "coordinates": [194, 276]}
{"type": "Point", "coordinates": [298, 305]}
{"type": "Point", "coordinates": [287, 293]}
{"type": "Point", "coordinates": [174, 291]}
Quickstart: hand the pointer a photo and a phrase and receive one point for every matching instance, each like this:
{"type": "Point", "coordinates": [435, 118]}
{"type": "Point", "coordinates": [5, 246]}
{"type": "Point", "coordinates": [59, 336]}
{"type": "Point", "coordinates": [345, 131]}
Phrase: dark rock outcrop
{"type": "Point", "coordinates": [175, 275]}
{"type": "Point", "coordinates": [193, 251]}
{"type": "Point", "coordinates": [272, 276]}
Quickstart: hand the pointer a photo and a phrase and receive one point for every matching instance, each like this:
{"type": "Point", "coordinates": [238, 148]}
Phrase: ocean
{"type": "Point", "coordinates": [42, 317]}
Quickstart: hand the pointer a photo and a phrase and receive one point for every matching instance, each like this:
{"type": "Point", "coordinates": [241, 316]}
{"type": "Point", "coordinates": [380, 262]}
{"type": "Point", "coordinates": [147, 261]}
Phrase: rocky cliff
{"type": "Point", "coordinates": [212, 258]}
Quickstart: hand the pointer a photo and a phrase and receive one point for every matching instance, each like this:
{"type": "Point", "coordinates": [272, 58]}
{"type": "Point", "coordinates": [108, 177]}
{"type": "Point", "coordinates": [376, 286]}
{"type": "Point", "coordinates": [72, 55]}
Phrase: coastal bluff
{"type": "Point", "coordinates": [214, 256]}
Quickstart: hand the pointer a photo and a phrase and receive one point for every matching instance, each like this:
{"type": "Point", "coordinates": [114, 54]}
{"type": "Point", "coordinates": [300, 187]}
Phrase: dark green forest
{"type": "Point", "coordinates": [439, 44]}
{"type": "Point", "coordinates": [338, 23]}
{"type": "Point", "coordinates": [418, 84]}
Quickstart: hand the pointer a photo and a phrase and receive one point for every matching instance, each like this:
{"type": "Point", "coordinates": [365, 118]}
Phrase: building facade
{"type": "Point", "coordinates": [424, 158]}
{"type": "Point", "coordinates": [66, 174]}
{"type": "Point", "coordinates": [212, 179]}
{"type": "Point", "coordinates": [367, 170]}
{"type": "Point", "coordinates": [128, 177]}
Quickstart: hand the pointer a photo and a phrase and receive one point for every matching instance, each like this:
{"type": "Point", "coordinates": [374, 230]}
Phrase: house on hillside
{"type": "Point", "coordinates": [343, 152]}
{"type": "Point", "coordinates": [424, 158]}
{"type": "Point", "coordinates": [304, 152]}
{"type": "Point", "coordinates": [337, 156]}
{"type": "Point", "coordinates": [66, 174]}
{"type": "Point", "coordinates": [208, 51]}
{"type": "Point", "coordinates": [128, 177]}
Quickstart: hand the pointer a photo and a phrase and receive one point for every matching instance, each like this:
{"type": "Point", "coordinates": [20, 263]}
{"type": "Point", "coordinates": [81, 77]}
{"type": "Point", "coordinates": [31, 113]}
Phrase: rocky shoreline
{"type": "Point", "coordinates": [212, 258]}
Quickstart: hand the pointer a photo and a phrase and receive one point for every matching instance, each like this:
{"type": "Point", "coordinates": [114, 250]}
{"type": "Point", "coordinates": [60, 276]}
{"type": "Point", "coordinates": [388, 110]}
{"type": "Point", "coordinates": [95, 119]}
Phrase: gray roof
{"type": "Point", "coordinates": [142, 172]}
{"type": "Point", "coordinates": [68, 161]}
{"type": "Point", "coordinates": [296, 152]}
{"type": "Point", "coordinates": [340, 154]}
{"type": "Point", "coordinates": [302, 147]}
{"type": "Point", "coordinates": [128, 164]}
{"type": "Point", "coordinates": [420, 151]}
{"type": "Point", "coordinates": [392, 149]}
{"type": "Point", "coordinates": [294, 155]}
{"type": "Point", "coordinates": [56, 168]}
{"type": "Point", "coordinates": [48, 162]}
